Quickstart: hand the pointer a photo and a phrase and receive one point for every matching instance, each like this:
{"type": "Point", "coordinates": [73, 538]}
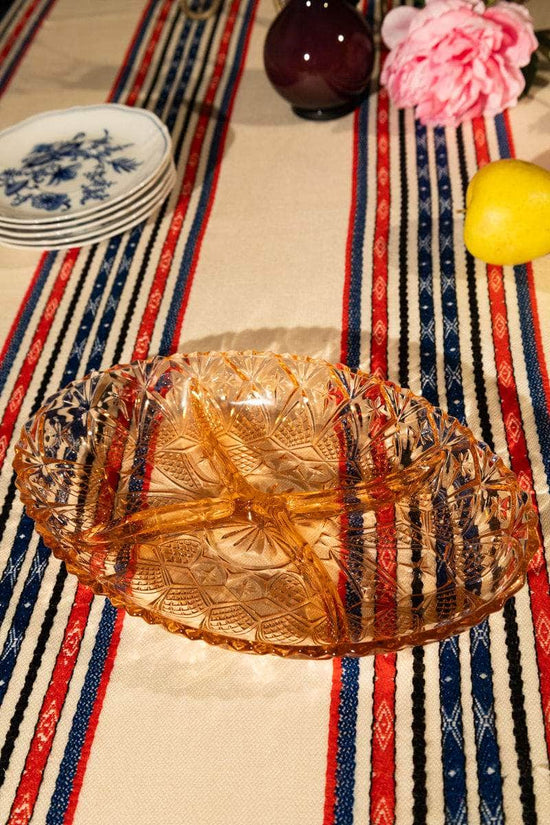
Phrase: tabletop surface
{"type": "Point", "coordinates": [341, 240]}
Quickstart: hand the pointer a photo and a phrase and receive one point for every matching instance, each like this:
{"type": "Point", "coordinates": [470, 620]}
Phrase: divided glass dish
{"type": "Point", "coordinates": [274, 504]}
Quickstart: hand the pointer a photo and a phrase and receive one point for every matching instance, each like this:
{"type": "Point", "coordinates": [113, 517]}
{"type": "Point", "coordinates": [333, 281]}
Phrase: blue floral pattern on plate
{"type": "Point", "coordinates": [96, 159]}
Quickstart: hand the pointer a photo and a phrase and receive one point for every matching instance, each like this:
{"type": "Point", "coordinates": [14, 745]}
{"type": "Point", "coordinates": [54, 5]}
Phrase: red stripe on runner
{"type": "Point", "coordinates": [382, 789]}
{"type": "Point", "coordinates": [113, 466]}
{"type": "Point", "coordinates": [94, 719]}
{"type": "Point", "coordinates": [152, 439]}
{"type": "Point", "coordinates": [130, 47]}
{"type": "Point", "coordinates": [189, 177]}
{"type": "Point", "coordinates": [17, 30]}
{"type": "Point", "coordinates": [537, 575]}
{"type": "Point", "coordinates": [382, 797]}
{"type": "Point", "coordinates": [148, 56]}
{"type": "Point", "coordinates": [379, 334]}
{"type": "Point", "coordinates": [41, 744]}
{"type": "Point", "coordinates": [115, 639]}
{"type": "Point", "coordinates": [22, 306]}
{"type": "Point", "coordinates": [29, 364]}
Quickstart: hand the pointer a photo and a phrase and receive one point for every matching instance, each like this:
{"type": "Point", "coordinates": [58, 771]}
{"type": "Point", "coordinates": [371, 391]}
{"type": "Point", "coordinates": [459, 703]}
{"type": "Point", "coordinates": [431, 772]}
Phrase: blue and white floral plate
{"type": "Point", "coordinates": [147, 197]}
{"type": "Point", "coordinates": [64, 165]}
{"type": "Point", "coordinates": [120, 205]}
{"type": "Point", "coordinates": [62, 237]}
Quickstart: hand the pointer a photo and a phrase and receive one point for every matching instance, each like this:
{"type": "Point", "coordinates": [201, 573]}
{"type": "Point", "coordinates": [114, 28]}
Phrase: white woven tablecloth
{"type": "Point", "coordinates": [338, 239]}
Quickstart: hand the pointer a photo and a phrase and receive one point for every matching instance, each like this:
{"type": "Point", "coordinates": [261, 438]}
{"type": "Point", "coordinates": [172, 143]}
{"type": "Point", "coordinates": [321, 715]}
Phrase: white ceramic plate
{"type": "Point", "coordinates": [93, 236]}
{"type": "Point", "coordinates": [97, 214]}
{"type": "Point", "coordinates": [60, 164]}
{"type": "Point", "coordinates": [90, 224]}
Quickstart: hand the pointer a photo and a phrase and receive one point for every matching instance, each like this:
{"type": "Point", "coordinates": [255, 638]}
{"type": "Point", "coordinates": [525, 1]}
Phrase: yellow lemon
{"type": "Point", "coordinates": [508, 212]}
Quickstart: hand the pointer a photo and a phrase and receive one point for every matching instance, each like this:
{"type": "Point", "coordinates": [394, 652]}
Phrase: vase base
{"type": "Point", "coordinates": [327, 114]}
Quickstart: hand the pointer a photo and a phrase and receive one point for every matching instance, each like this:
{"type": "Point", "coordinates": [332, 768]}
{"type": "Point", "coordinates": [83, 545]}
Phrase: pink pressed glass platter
{"type": "Point", "coordinates": [274, 504]}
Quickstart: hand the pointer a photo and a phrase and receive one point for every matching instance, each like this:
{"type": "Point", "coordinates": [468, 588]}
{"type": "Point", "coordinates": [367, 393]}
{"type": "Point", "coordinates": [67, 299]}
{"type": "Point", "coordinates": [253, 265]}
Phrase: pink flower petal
{"type": "Point", "coordinates": [395, 25]}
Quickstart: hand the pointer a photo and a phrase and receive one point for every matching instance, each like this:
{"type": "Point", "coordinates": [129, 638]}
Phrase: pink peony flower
{"type": "Point", "coordinates": [456, 59]}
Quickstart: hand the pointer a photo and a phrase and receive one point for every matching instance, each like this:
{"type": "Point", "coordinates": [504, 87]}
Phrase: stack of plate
{"type": "Point", "coordinates": [78, 176]}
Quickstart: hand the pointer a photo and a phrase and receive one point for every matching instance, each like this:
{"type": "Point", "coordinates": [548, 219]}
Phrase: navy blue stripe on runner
{"type": "Point", "coordinates": [177, 100]}
{"type": "Point", "coordinates": [111, 305]}
{"type": "Point", "coordinates": [483, 704]}
{"type": "Point", "coordinates": [418, 692]}
{"type": "Point", "coordinates": [454, 766]}
{"type": "Point", "coordinates": [428, 367]}
{"type": "Point", "coordinates": [353, 343]}
{"type": "Point", "coordinates": [452, 737]}
{"type": "Point", "coordinates": [67, 769]}
{"type": "Point", "coordinates": [11, 571]}
{"type": "Point", "coordinates": [22, 617]}
{"type": "Point", "coordinates": [11, 67]}
{"type": "Point", "coordinates": [534, 375]}
{"type": "Point", "coordinates": [451, 338]}
{"type": "Point", "coordinates": [347, 738]}
{"type": "Point", "coordinates": [349, 677]}
{"type": "Point", "coordinates": [488, 758]}
{"type": "Point", "coordinates": [161, 59]}
{"type": "Point", "coordinates": [502, 137]}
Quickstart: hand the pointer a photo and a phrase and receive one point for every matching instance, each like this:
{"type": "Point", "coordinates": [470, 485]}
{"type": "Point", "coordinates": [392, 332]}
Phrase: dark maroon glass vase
{"type": "Point", "coordinates": [318, 55]}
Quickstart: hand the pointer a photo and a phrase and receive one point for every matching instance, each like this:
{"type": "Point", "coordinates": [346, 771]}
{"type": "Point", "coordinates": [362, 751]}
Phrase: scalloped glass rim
{"type": "Point", "coordinates": [274, 504]}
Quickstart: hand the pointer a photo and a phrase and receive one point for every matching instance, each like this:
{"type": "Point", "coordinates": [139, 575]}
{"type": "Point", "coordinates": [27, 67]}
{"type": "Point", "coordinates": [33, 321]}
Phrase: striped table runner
{"type": "Point", "coordinates": [338, 239]}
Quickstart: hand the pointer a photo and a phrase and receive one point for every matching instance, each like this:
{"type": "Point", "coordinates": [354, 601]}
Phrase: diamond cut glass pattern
{"type": "Point", "coordinates": [274, 503]}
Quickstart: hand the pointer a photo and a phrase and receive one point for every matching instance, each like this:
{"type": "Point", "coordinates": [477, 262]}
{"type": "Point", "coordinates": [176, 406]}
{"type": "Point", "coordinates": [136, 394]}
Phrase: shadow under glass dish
{"type": "Point", "coordinates": [274, 504]}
